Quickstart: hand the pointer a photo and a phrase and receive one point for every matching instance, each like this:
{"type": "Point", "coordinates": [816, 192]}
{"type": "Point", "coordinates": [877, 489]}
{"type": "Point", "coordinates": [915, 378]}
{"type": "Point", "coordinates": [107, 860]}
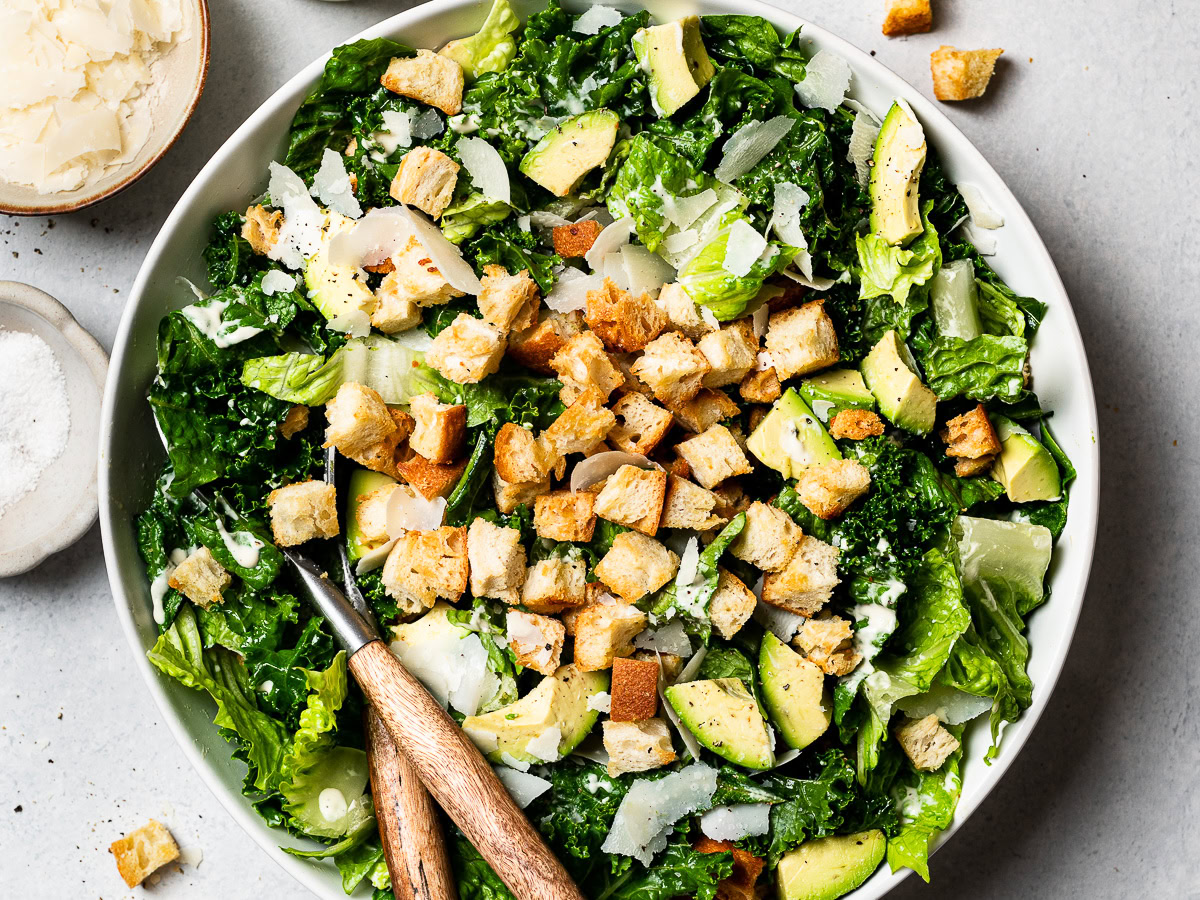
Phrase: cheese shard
{"type": "Point", "coordinates": [650, 808]}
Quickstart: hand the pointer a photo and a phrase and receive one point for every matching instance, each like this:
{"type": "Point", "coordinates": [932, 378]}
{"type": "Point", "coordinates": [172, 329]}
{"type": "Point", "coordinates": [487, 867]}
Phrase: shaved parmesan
{"type": "Point", "coordinates": [790, 200]}
{"type": "Point", "coordinates": [758, 320]}
{"type": "Point", "coordinates": [426, 125]}
{"type": "Point", "coordinates": [331, 185]}
{"type": "Point", "coordinates": [611, 239]}
{"type": "Point", "coordinates": [749, 144]}
{"type": "Point", "coordinates": [540, 218]}
{"type": "Point", "coordinates": [984, 243]}
{"type": "Point", "coordinates": [513, 763]}
{"type": "Point", "coordinates": [397, 131]}
{"type": "Point", "coordinates": [826, 80]}
{"type": "Point", "coordinates": [693, 667]}
{"type": "Point", "coordinates": [950, 705]}
{"type": "Point", "coordinates": [485, 740]}
{"type": "Point", "coordinates": [596, 19]}
{"type": "Point", "coordinates": [453, 666]}
{"type": "Point", "coordinates": [374, 558]}
{"type": "Point", "coordinates": [743, 247]}
{"type": "Point", "coordinates": [379, 235]}
{"type": "Point", "coordinates": [592, 748]}
{"type": "Point", "coordinates": [681, 240]}
{"type": "Point", "coordinates": [408, 510]}
{"type": "Point", "coordinates": [521, 786]}
{"type": "Point", "coordinates": [650, 808]}
{"type": "Point", "coordinates": [683, 211]}
{"type": "Point", "coordinates": [817, 284]}
{"type": "Point", "coordinates": [732, 823]}
{"type": "Point", "coordinates": [444, 254]}
{"type": "Point", "coordinates": [601, 702]}
{"type": "Point", "coordinates": [863, 135]}
{"type": "Point", "coordinates": [645, 272]}
{"type": "Point", "coordinates": [785, 757]}
{"type": "Point", "coordinates": [685, 735]}
{"type": "Point", "coordinates": [671, 638]}
{"type": "Point", "coordinates": [300, 235]}
{"type": "Point", "coordinates": [545, 745]}
{"type": "Point", "coordinates": [277, 282]}
{"type": "Point", "coordinates": [598, 467]}
{"type": "Point", "coordinates": [779, 622]}
{"type": "Point", "coordinates": [982, 213]}
{"type": "Point", "coordinates": [570, 291]}
{"type": "Point", "coordinates": [486, 168]}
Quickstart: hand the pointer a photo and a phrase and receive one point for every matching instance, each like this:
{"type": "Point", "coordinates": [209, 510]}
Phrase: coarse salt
{"type": "Point", "coordinates": [35, 415]}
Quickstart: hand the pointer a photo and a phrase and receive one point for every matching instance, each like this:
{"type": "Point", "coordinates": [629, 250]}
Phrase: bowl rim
{"type": "Point", "coordinates": [1084, 490]}
{"type": "Point", "coordinates": [56, 209]}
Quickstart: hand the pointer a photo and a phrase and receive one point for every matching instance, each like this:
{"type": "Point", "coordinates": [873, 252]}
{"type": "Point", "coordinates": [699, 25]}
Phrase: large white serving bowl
{"type": "Point", "coordinates": [130, 453]}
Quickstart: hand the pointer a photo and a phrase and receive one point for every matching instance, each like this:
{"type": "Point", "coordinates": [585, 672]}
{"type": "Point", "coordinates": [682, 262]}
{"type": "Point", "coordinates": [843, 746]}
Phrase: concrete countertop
{"type": "Point", "coordinates": [1093, 118]}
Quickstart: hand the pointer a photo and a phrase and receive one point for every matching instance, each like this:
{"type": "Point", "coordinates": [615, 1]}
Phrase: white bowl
{"type": "Point", "coordinates": [130, 453]}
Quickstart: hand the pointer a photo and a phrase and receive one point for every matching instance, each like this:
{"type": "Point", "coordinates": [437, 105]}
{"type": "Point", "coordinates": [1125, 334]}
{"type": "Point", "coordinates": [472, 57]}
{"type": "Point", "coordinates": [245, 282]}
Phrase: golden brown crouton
{"type": "Point", "coordinates": [583, 363]}
{"type": "Point", "coordinates": [509, 494]}
{"type": "Point", "coordinates": [641, 424]}
{"type": "Point", "coordinates": [907, 17]}
{"type": "Point", "coordinates": [581, 426]}
{"type": "Point", "coordinates": [682, 311]}
{"type": "Point", "coordinates": [971, 435]}
{"type": "Point", "coordinates": [440, 428]}
{"type": "Point", "coordinates": [143, 851]}
{"type": "Point", "coordinates": [497, 561]}
{"type": "Point", "coordinates": [732, 605]}
{"type": "Point", "coordinates": [535, 347]}
{"type": "Point", "coordinates": [769, 538]}
{"type": "Point", "coordinates": [394, 310]}
{"type": "Point", "coordinates": [829, 489]}
{"type": "Point", "coordinates": [261, 228]}
{"type": "Point", "coordinates": [634, 690]}
{"type": "Point", "coordinates": [670, 664]}
{"type": "Point", "coordinates": [381, 268]}
{"type": "Point", "coordinates": [433, 79]}
{"type": "Point", "coordinates": [704, 410]}
{"type": "Point", "coordinates": [633, 497]}
{"type": "Point", "coordinates": [801, 340]}
{"type": "Point", "coordinates": [425, 565]}
{"type": "Point", "coordinates": [961, 74]}
{"type": "Point", "coordinates": [926, 743]}
{"type": "Point", "coordinates": [688, 505]}
{"type": "Point", "coordinates": [356, 419]}
{"type": "Point", "coordinates": [604, 631]}
{"type": "Point", "coordinates": [828, 642]}
{"type": "Point", "coordinates": [636, 565]}
{"type": "Point", "coordinates": [855, 425]}
{"type": "Point", "coordinates": [808, 580]}
{"type": "Point", "coordinates": [414, 279]}
{"type": "Point", "coordinates": [714, 456]}
{"type": "Point", "coordinates": [200, 578]}
{"type": "Point", "coordinates": [565, 516]}
{"type": "Point", "coordinates": [731, 499]}
{"type": "Point", "coordinates": [637, 746]}
{"type": "Point", "coordinates": [574, 241]}
{"type": "Point", "coordinates": [429, 478]}
{"type": "Point", "coordinates": [760, 386]}
{"type": "Point", "coordinates": [468, 351]}
{"type": "Point", "coordinates": [968, 468]}
{"type": "Point", "coordinates": [294, 422]}
{"type": "Point", "coordinates": [731, 353]}
{"type": "Point", "coordinates": [303, 511]}
{"type": "Point", "coordinates": [554, 584]}
{"type": "Point", "coordinates": [519, 457]}
{"type": "Point", "coordinates": [510, 302]}
{"type": "Point", "coordinates": [426, 180]}
{"type": "Point", "coordinates": [624, 322]}
{"type": "Point", "coordinates": [370, 512]}
{"type": "Point", "coordinates": [673, 368]}
{"type": "Point", "coordinates": [536, 640]}
{"type": "Point", "coordinates": [746, 869]}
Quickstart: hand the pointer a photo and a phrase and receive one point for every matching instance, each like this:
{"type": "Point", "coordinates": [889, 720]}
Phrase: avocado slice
{"type": "Point", "coordinates": [896, 175]}
{"type": "Point", "coordinates": [794, 692]}
{"type": "Point", "coordinates": [832, 391]}
{"type": "Point", "coordinates": [674, 58]}
{"type": "Point", "coordinates": [559, 701]}
{"type": "Point", "coordinates": [560, 159]}
{"type": "Point", "coordinates": [362, 481]}
{"type": "Point", "coordinates": [1024, 466]}
{"type": "Point", "coordinates": [344, 300]}
{"type": "Point", "coordinates": [890, 372]}
{"type": "Point", "coordinates": [724, 717]}
{"type": "Point", "coordinates": [790, 438]}
{"type": "Point", "coordinates": [955, 300]}
{"type": "Point", "coordinates": [830, 867]}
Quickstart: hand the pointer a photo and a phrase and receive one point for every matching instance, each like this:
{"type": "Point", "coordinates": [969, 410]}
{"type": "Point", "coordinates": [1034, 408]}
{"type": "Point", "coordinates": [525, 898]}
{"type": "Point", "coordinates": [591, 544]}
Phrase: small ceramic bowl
{"type": "Point", "coordinates": [62, 506]}
{"type": "Point", "coordinates": [183, 72]}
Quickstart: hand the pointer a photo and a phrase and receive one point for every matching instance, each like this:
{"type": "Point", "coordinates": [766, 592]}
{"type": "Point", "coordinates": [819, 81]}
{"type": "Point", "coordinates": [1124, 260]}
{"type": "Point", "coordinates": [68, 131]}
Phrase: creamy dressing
{"type": "Point", "coordinates": [821, 409]}
{"type": "Point", "coordinates": [207, 320]}
{"type": "Point", "coordinates": [878, 623]}
{"type": "Point", "coordinates": [159, 586]}
{"type": "Point", "coordinates": [242, 546]}
{"type": "Point", "coordinates": [332, 804]}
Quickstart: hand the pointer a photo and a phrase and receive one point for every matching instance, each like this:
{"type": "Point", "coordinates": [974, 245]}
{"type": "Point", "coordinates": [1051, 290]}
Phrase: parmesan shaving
{"type": "Point", "coordinates": [570, 291]}
{"type": "Point", "coordinates": [611, 239]}
{"type": "Point", "coordinates": [331, 185]}
{"type": "Point", "coordinates": [749, 144]}
{"type": "Point", "coordinates": [982, 213]}
{"type": "Point", "coordinates": [645, 272]}
{"type": "Point", "coordinates": [408, 510]}
{"type": "Point", "coordinates": [486, 168]}
{"type": "Point", "coordinates": [300, 236]}
{"type": "Point", "coordinates": [596, 19]}
{"type": "Point", "coordinates": [863, 135]}
{"type": "Point", "coordinates": [743, 248]}
{"type": "Point", "coordinates": [733, 823]}
{"type": "Point", "coordinates": [445, 255]}
{"type": "Point", "coordinates": [826, 80]}
{"type": "Point", "coordinates": [650, 808]}
{"type": "Point", "coordinates": [521, 786]}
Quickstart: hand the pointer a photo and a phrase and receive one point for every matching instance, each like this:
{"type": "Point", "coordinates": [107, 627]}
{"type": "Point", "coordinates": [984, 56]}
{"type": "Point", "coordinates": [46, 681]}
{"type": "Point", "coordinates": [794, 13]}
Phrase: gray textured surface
{"type": "Point", "coordinates": [1094, 120]}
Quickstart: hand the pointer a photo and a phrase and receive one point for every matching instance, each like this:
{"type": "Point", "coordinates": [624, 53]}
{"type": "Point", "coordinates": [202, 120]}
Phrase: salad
{"type": "Point", "coordinates": [698, 472]}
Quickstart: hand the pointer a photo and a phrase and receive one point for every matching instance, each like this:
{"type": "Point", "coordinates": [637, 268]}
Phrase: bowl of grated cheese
{"type": "Point", "coordinates": [93, 93]}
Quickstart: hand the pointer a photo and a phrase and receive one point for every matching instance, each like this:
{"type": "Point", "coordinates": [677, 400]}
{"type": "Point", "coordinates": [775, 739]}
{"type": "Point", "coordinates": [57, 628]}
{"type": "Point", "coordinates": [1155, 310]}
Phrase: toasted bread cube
{"type": "Point", "coordinates": [536, 640]}
{"type": "Point", "coordinates": [633, 497]}
{"type": "Point", "coordinates": [143, 851]}
{"type": "Point", "coordinates": [636, 565]}
{"type": "Point", "coordinates": [509, 495]}
{"type": "Point", "coordinates": [440, 428]}
{"type": "Point", "coordinates": [509, 302]}
{"type": "Point", "coordinates": [971, 435]}
{"type": "Point", "coordinates": [760, 386]}
{"type": "Point", "coordinates": [828, 641]}
{"type": "Point", "coordinates": [714, 456]}
{"type": "Point", "coordinates": [575, 240]}
{"type": "Point", "coordinates": [731, 353]}
{"type": "Point", "coordinates": [829, 489]}
{"type": "Point", "coordinates": [673, 368]}
{"type": "Point", "coordinates": [746, 869]}
{"type": "Point", "coordinates": [395, 310]}
{"type": "Point", "coordinates": [428, 77]}
{"type": "Point", "coordinates": [425, 179]}
{"type": "Point", "coordinates": [641, 424]}
{"type": "Point", "coordinates": [357, 419]}
{"type": "Point", "coordinates": [518, 455]}
{"type": "Point", "coordinates": [634, 689]}
{"type": "Point", "coordinates": [926, 743]}
{"type": "Point", "coordinates": [425, 565]}
{"type": "Point", "coordinates": [855, 425]}
{"type": "Point", "coordinates": [907, 17]}
{"type": "Point", "coordinates": [384, 456]}
{"type": "Point", "coordinates": [704, 410]}
{"type": "Point", "coordinates": [468, 351]}
{"type": "Point", "coordinates": [637, 746]}
{"type": "Point", "coordinates": [808, 580]}
{"type": "Point", "coordinates": [536, 347]}
{"type": "Point", "coordinates": [413, 278]}
{"type": "Point", "coordinates": [961, 74]}
{"type": "Point", "coordinates": [497, 561]}
{"type": "Point", "coordinates": [371, 513]}
{"type": "Point", "coordinates": [732, 605]}
{"type": "Point", "coordinates": [604, 631]}
{"type": "Point", "coordinates": [583, 364]}
{"type": "Point", "coordinates": [582, 426]}
{"type": "Point", "coordinates": [801, 340]}
{"type": "Point", "coordinates": [294, 422]}
{"type": "Point", "coordinates": [668, 663]}
{"type": "Point", "coordinates": [681, 310]}
{"type": "Point", "coordinates": [554, 584]}
{"type": "Point", "coordinates": [731, 499]}
{"type": "Point", "coordinates": [303, 511]}
{"type": "Point", "coordinates": [769, 538]}
{"type": "Point", "coordinates": [429, 478]}
{"type": "Point", "coordinates": [565, 516]}
{"type": "Point", "coordinates": [200, 578]}
{"type": "Point", "coordinates": [688, 505]}
{"type": "Point", "coordinates": [624, 322]}
{"type": "Point", "coordinates": [261, 228]}
{"type": "Point", "coordinates": [968, 468]}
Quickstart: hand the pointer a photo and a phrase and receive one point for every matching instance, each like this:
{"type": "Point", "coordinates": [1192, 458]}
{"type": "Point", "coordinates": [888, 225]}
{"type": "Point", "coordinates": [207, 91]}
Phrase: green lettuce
{"type": "Point", "coordinates": [753, 38]}
{"type": "Point", "coordinates": [492, 48]}
{"type": "Point", "coordinates": [926, 802]}
{"type": "Point", "coordinates": [888, 269]}
{"type": "Point", "coordinates": [648, 179]}
{"type": "Point", "coordinates": [710, 284]}
{"type": "Point", "coordinates": [982, 368]}
{"type": "Point", "coordinates": [463, 219]}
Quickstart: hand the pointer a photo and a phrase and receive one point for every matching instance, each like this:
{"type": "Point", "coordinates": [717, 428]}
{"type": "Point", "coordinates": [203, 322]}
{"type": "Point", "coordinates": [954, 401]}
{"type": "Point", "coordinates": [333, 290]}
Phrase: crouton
{"type": "Point", "coordinates": [704, 410]}
{"type": "Point", "coordinates": [425, 565]}
{"type": "Point", "coordinates": [682, 311]}
{"type": "Point", "coordinates": [536, 640]}
{"type": "Point", "coordinates": [200, 578]}
{"type": "Point", "coordinates": [509, 302]}
{"type": "Point", "coordinates": [294, 422]}
{"type": "Point", "coordinates": [732, 605]}
{"type": "Point", "coordinates": [829, 489]}
{"type": "Point", "coordinates": [668, 663]}
{"type": "Point", "coordinates": [746, 869]}
{"type": "Point", "coordinates": [583, 364]}
{"type": "Point", "coordinates": [624, 322]}
{"type": "Point", "coordinates": [637, 746]}
{"type": "Point", "coordinates": [760, 386]}
{"type": "Point", "coordinates": [468, 351]}
{"type": "Point", "coordinates": [633, 497]}
{"type": "Point", "coordinates": [261, 228]}
{"type": "Point", "coordinates": [634, 690]}
{"type": "Point", "coordinates": [440, 428]}
{"type": "Point", "coordinates": [688, 505]}
{"type": "Point", "coordinates": [604, 631]}
{"type": "Point", "coordinates": [143, 851]}
{"type": "Point", "coordinates": [641, 424]}
{"type": "Point", "coordinates": [425, 179]}
{"type": "Point", "coordinates": [554, 584]}
{"type": "Point", "coordinates": [497, 561]}
{"type": "Point", "coordinates": [769, 538]}
{"type": "Point", "coordinates": [565, 516]}
{"type": "Point", "coordinates": [971, 435]}
{"type": "Point", "coordinates": [356, 419]}
{"type": "Point", "coordinates": [575, 240]}
{"type": "Point", "coordinates": [381, 268]}
{"type": "Point", "coordinates": [303, 511]}
{"type": "Point", "coordinates": [731, 353]}
{"type": "Point", "coordinates": [801, 340]}
{"type": "Point", "coordinates": [509, 495]}
{"type": "Point", "coordinates": [731, 499]}
{"type": "Point", "coordinates": [673, 368]}
{"type": "Point", "coordinates": [428, 77]}
{"type": "Point", "coordinates": [714, 456]}
{"type": "Point", "coordinates": [855, 425]}
{"type": "Point", "coordinates": [429, 478]}
{"type": "Point", "coordinates": [961, 74]}
{"type": "Point", "coordinates": [907, 17]}
{"type": "Point", "coordinates": [808, 580]}
{"type": "Point", "coordinates": [636, 565]}
{"type": "Point", "coordinates": [518, 456]}
{"type": "Point", "coordinates": [535, 347]}
{"type": "Point", "coordinates": [594, 593]}
{"type": "Point", "coordinates": [395, 310]}
{"type": "Point", "coordinates": [581, 426]}
{"type": "Point", "coordinates": [370, 513]}
{"type": "Point", "coordinates": [828, 642]}
{"type": "Point", "coordinates": [926, 743]}
{"type": "Point", "coordinates": [414, 278]}
{"type": "Point", "coordinates": [968, 468]}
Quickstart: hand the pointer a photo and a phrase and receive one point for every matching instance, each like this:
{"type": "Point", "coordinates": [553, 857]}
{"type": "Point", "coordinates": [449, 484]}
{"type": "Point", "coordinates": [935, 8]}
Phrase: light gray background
{"type": "Point", "coordinates": [1093, 118]}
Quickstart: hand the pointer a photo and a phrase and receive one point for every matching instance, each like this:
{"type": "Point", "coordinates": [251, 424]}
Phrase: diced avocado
{"type": "Point", "coordinates": [833, 390]}
{"type": "Point", "coordinates": [829, 867]}
{"type": "Point", "coordinates": [560, 159]}
{"type": "Point", "coordinates": [559, 701]}
{"type": "Point", "coordinates": [790, 438]}
{"type": "Point", "coordinates": [674, 57]}
{"type": "Point", "coordinates": [362, 481]}
{"type": "Point", "coordinates": [896, 175]}
{"type": "Point", "coordinates": [955, 300]}
{"type": "Point", "coordinates": [1024, 466]}
{"type": "Point", "coordinates": [724, 717]}
{"type": "Point", "coordinates": [890, 373]}
{"type": "Point", "coordinates": [794, 692]}
{"type": "Point", "coordinates": [344, 300]}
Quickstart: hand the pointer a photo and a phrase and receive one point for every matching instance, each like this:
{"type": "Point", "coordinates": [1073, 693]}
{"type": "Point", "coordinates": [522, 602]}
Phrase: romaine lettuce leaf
{"type": "Point", "coordinates": [753, 38]}
{"type": "Point", "coordinates": [982, 368]}
{"type": "Point", "coordinates": [647, 180]}
{"type": "Point", "coordinates": [727, 295]}
{"type": "Point", "coordinates": [926, 803]}
{"type": "Point", "coordinates": [886, 269]}
{"type": "Point", "coordinates": [492, 48]}
{"type": "Point", "coordinates": [462, 220]}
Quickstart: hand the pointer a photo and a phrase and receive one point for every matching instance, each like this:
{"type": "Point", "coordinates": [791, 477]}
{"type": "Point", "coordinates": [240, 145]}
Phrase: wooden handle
{"type": "Point", "coordinates": [460, 779]}
{"type": "Point", "coordinates": [413, 845]}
